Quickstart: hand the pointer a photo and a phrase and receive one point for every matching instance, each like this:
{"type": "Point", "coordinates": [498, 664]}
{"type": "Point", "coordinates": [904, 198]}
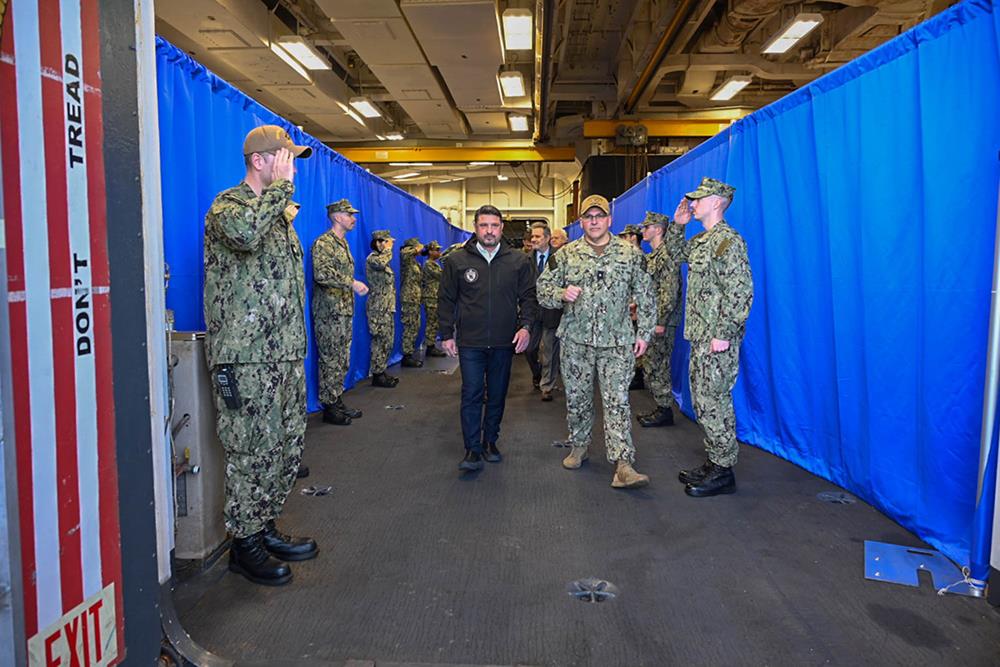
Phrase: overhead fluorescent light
{"type": "Point", "coordinates": [380, 137]}
{"type": "Point", "coordinates": [481, 164]}
{"type": "Point", "coordinates": [501, 177]}
{"type": "Point", "coordinates": [304, 52]}
{"type": "Point", "coordinates": [394, 136]}
{"type": "Point", "coordinates": [411, 164]}
{"type": "Point", "coordinates": [792, 32]}
{"type": "Point", "coordinates": [517, 33]}
{"type": "Point", "coordinates": [512, 83]}
{"type": "Point", "coordinates": [350, 112]}
{"type": "Point", "coordinates": [290, 61]}
{"type": "Point", "coordinates": [518, 123]}
{"type": "Point", "coordinates": [731, 87]}
{"type": "Point", "coordinates": [365, 107]}
{"type": "Point", "coordinates": [409, 174]}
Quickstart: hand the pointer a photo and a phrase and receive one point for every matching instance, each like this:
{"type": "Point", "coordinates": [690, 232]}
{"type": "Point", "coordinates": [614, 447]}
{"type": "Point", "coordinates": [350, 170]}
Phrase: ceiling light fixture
{"type": "Point", "coordinates": [409, 174]}
{"type": "Point", "coordinates": [481, 164]}
{"type": "Point", "coordinates": [517, 33]}
{"type": "Point", "coordinates": [518, 123]}
{"type": "Point", "coordinates": [501, 177]}
{"type": "Point", "coordinates": [380, 137]}
{"type": "Point", "coordinates": [731, 87]}
{"type": "Point", "coordinates": [350, 112]}
{"type": "Point", "coordinates": [512, 83]}
{"type": "Point", "coordinates": [365, 107]}
{"type": "Point", "coordinates": [290, 61]}
{"type": "Point", "coordinates": [303, 52]}
{"type": "Point", "coordinates": [411, 164]}
{"type": "Point", "coordinates": [394, 136]}
{"type": "Point", "coordinates": [800, 26]}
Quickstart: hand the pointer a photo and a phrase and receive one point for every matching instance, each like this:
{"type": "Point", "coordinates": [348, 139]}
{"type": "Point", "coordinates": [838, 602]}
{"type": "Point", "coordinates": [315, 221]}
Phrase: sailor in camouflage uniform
{"type": "Point", "coordinates": [593, 282]}
{"type": "Point", "coordinates": [719, 294]}
{"type": "Point", "coordinates": [381, 306]}
{"type": "Point", "coordinates": [665, 273]}
{"type": "Point", "coordinates": [410, 297]}
{"type": "Point", "coordinates": [632, 235]}
{"type": "Point", "coordinates": [429, 283]}
{"type": "Point", "coordinates": [334, 288]}
{"type": "Point", "coordinates": [256, 343]}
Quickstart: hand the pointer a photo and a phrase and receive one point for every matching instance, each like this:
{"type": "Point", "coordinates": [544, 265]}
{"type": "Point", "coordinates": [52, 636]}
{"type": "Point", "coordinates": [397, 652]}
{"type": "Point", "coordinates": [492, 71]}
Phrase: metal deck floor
{"type": "Point", "coordinates": [421, 565]}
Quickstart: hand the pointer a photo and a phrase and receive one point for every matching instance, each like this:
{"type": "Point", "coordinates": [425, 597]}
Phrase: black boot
{"type": "Point", "coordinates": [717, 480]}
{"type": "Point", "coordinates": [695, 475]}
{"type": "Point", "coordinates": [410, 362]}
{"type": "Point", "coordinates": [638, 381]}
{"type": "Point", "coordinates": [350, 412]}
{"type": "Point", "coordinates": [434, 352]}
{"type": "Point", "coordinates": [287, 547]}
{"type": "Point", "coordinates": [334, 415]}
{"type": "Point", "coordinates": [473, 461]}
{"type": "Point", "coordinates": [384, 380]}
{"type": "Point", "coordinates": [658, 417]}
{"type": "Point", "coordinates": [247, 556]}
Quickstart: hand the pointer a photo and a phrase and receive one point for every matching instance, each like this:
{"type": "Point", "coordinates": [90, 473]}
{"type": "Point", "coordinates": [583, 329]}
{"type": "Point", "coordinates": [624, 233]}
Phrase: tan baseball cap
{"type": "Point", "coordinates": [269, 138]}
{"type": "Point", "coordinates": [592, 201]}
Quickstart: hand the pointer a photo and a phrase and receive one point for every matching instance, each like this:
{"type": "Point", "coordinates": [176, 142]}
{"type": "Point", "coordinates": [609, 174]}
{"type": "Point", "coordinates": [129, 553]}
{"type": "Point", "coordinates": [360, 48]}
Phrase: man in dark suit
{"type": "Point", "coordinates": [543, 352]}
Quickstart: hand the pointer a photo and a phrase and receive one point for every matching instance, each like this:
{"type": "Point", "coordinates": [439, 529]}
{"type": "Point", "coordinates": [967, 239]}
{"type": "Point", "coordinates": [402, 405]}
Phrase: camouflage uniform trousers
{"type": "Point", "coordinates": [382, 327]}
{"type": "Point", "coordinates": [430, 331]}
{"type": "Point", "coordinates": [262, 441]}
{"type": "Point", "coordinates": [713, 376]}
{"type": "Point", "coordinates": [613, 367]}
{"type": "Point", "coordinates": [656, 367]}
{"type": "Point", "coordinates": [333, 342]}
{"type": "Point", "coordinates": [411, 325]}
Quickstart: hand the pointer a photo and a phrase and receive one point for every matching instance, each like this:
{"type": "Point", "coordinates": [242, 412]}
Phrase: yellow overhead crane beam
{"type": "Point", "coordinates": [438, 154]}
{"type": "Point", "coordinates": [689, 127]}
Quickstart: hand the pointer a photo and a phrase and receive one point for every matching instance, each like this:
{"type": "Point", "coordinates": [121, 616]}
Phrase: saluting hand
{"type": "Point", "coordinates": [682, 214]}
{"type": "Point", "coordinates": [284, 165]}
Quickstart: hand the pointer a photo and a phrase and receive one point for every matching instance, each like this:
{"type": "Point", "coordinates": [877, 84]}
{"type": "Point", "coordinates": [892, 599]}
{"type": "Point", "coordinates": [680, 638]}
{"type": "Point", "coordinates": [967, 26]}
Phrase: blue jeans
{"type": "Point", "coordinates": [483, 369]}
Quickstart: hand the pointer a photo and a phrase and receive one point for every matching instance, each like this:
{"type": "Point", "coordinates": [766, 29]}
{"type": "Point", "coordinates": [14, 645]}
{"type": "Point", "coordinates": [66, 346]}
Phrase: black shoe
{"type": "Point", "coordinates": [472, 461]}
{"type": "Point", "coordinates": [350, 412]}
{"type": "Point", "coordinates": [334, 415]}
{"type": "Point", "coordinates": [384, 380]}
{"type": "Point", "coordinates": [410, 362]}
{"type": "Point", "coordinates": [546, 396]}
{"type": "Point", "coordinates": [286, 547]}
{"type": "Point", "coordinates": [247, 556]}
{"type": "Point", "coordinates": [302, 473]}
{"type": "Point", "coordinates": [492, 453]}
{"type": "Point", "coordinates": [536, 384]}
{"type": "Point", "coordinates": [434, 352]}
{"type": "Point", "coordinates": [658, 417]}
{"type": "Point", "coordinates": [719, 480]}
{"type": "Point", "coordinates": [695, 475]}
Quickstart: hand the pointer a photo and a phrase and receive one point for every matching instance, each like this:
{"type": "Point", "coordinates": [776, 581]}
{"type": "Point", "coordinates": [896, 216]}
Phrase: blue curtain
{"type": "Point", "coordinates": [868, 200]}
{"type": "Point", "coordinates": [203, 121]}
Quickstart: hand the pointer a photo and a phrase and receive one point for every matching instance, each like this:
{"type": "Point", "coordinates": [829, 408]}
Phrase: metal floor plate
{"type": "Point", "coordinates": [898, 564]}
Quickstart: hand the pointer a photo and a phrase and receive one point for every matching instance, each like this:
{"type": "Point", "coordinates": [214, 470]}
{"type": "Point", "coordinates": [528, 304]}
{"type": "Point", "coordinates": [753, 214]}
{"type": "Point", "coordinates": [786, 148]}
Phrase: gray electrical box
{"type": "Point", "coordinates": [199, 462]}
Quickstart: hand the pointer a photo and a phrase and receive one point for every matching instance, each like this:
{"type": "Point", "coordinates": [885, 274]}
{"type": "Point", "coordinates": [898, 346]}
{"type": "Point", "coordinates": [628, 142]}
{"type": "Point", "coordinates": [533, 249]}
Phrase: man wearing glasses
{"type": "Point", "coordinates": [255, 346]}
{"type": "Point", "coordinates": [593, 282]}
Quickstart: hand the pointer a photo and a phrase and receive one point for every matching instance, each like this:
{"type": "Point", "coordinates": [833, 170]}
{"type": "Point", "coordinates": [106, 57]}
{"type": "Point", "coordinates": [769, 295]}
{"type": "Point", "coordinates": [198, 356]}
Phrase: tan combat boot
{"type": "Point", "coordinates": [627, 478]}
{"type": "Point", "coordinates": [577, 455]}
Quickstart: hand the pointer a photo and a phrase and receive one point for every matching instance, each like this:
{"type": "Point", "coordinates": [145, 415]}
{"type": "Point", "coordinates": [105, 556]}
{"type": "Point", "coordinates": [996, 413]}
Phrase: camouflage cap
{"type": "Point", "coordinates": [655, 219]}
{"type": "Point", "coordinates": [381, 235]}
{"type": "Point", "coordinates": [433, 245]}
{"type": "Point", "coordinates": [710, 186]}
{"type": "Point", "coordinates": [341, 206]}
{"type": "Point", "coordinates": [412, 241]}
{"type": "Point", "coordinates": [631, 229]}
{"type": "Point", "coordinates": [269, 138]}
{"type": "Point", "coordinates": [592, 201]}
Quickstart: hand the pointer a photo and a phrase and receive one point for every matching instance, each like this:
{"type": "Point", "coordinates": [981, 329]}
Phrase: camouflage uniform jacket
{"type": "Point", "coordinates": [254, 280]}
{"type": "Point", "coordinates": [381, 282]}
{"type": "Point", "coordinates": [430, 282]}
{"type": "Point", "coordinates": [720, 286]}
{"type": "Point", "coordinates": [333, 275]}
{"type": "Point", "coordinates": [410, 286]}
{"type": "Point", "coordinates": [664, 270]}
{"type": "Point", "coordinates": [600, 315]}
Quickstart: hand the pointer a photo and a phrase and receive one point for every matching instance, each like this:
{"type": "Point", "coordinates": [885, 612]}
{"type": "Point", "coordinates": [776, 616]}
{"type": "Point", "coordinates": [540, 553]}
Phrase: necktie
{"type": "Point", "coordinates": [541, 263]}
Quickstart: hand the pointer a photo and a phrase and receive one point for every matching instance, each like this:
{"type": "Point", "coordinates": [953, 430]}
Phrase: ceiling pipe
{"type": "Point", "coordinates": [547, 18]}
{"type": "Point", "coordinates": [732, 28]}
{"type": "Point", "coordinates": [661, 49]}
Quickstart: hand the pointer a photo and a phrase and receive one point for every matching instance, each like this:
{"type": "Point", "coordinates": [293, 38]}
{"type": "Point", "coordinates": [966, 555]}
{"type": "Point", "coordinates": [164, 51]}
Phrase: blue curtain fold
{"type": "Point", "coordinates": [868, 200]}
{"type": "Point", "coordinates": [203, 121]}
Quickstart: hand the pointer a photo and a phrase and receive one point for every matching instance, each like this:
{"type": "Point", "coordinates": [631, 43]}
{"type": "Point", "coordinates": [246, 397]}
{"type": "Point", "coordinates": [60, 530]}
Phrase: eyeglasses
{"type": "Point", "coordinates": [595, 217]}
